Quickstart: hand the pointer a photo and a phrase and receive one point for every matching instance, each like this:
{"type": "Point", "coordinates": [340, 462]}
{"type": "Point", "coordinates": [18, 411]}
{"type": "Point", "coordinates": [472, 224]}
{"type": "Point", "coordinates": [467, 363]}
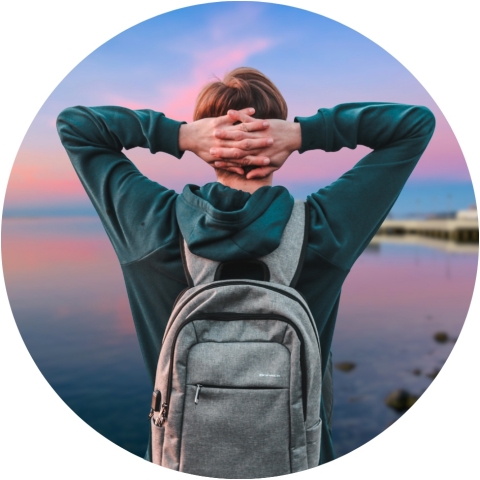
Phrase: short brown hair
{"type": "Point", "coordinates": [241, 88]}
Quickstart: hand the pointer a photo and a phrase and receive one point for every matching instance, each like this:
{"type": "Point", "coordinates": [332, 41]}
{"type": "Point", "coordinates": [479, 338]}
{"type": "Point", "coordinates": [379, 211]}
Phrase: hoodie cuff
{"type": "Point", "coordinates": [313, 132]}
{"type": "Point", "coordinates": [167, 137]}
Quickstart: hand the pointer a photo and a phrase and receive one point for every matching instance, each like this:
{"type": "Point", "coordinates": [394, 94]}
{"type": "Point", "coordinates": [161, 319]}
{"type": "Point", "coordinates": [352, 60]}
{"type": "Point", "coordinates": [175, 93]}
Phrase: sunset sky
{"type": "Point", "coordinates": [163, 63]}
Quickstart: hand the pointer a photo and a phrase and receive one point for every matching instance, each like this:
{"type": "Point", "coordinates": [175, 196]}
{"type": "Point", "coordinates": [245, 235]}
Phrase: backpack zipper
{"type": "Point", "coordinates": [239, 282]}
{"type": "Point", "coordinates": [197, 393]}
{"type": "Point", "coordinates": [229, 316]}
{"type": "Point", "coordinates": [223, 387]}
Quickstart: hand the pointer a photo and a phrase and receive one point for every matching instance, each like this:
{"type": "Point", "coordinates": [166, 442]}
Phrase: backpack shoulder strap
{"type": "Point", "coordinates": [282, 266]}
{"type": "Point", "coordinates": [198, 270]}
{"type": "Point", "coordinates": [286, 262]}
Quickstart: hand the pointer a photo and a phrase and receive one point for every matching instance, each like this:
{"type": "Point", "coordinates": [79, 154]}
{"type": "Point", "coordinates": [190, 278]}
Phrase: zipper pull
{"type": "Point", "coordinates": [156, 400]}
{"type": "Point", "coordinates": [198, 393]}
{"type": "Point", "coordinates": [163, 415]}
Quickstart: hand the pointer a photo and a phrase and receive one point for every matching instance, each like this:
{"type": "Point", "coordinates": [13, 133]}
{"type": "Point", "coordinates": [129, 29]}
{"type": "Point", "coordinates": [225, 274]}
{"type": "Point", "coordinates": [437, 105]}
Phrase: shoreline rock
{"type": "Point", "coordinates": [345, 366]}
{"type": "Point", "coordinates": [400, 400]}
{"type": "Point", "coordinates": [441, 337]}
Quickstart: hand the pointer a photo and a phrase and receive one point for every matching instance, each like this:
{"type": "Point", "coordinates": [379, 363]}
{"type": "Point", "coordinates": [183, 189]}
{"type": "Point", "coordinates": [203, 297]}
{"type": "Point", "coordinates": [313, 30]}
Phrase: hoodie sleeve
{"type": "Point", "coordinates": [128, 203]}
{"type": "Point", "coordinates": [346, 214]}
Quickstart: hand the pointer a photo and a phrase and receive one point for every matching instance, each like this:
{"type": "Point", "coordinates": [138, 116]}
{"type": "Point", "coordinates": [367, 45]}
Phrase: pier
{"type": "Point", "coordinates": [464, 230]}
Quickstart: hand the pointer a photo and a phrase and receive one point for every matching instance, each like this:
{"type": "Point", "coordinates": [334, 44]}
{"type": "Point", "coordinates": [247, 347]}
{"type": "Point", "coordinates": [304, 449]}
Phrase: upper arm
{"type": "Point", "coordinates": [348, 213]}
{"type": "Point", "coordinates": [137, 213]}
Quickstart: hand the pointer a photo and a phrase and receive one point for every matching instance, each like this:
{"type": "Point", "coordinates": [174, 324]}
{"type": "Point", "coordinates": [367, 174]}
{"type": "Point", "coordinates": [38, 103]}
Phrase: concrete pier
{"type": "Point", "coordinates": [455, 229]}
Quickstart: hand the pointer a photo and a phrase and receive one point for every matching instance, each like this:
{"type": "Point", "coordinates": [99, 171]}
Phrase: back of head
{"type": "Point", "coordinates": [241, 88]}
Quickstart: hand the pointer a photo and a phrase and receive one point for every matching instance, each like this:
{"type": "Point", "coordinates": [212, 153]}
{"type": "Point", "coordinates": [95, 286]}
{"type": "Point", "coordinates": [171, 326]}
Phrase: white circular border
{"type": "Point", "coordinates": [43, 40]}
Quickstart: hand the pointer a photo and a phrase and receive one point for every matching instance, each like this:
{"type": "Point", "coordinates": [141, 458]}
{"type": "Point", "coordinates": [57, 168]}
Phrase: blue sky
{"type": "Point", "coordinates": [162, 64]}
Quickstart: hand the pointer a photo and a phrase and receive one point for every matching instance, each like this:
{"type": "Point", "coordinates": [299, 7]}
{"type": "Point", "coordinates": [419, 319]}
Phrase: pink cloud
{"type": "Point", "coordinates": [180, 99]}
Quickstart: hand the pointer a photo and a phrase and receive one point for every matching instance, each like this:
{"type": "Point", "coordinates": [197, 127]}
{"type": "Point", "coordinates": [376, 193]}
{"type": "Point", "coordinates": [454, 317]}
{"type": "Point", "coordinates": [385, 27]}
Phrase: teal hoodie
{"type": "Point", "coordinates": [143, 219]}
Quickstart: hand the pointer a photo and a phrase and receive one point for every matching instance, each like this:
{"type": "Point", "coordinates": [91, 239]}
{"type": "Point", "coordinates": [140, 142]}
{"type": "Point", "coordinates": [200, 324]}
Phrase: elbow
{"type": "Point", "coordinates": [68, 115]}
{"type": "Point", "coordinates": [426, 121]}
{"type": "Point", "coordinates": [69, 122]}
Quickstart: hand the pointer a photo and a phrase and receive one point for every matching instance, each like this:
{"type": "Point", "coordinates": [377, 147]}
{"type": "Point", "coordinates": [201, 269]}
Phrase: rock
{"type": "Point", "coordinates": [400, 400]}
{"type": "Point", "coordinates": [345, 366]}
{"type": "Point", "coordinates": [441, 337]}
{"type": "Point", "coordinates": [417, 372]}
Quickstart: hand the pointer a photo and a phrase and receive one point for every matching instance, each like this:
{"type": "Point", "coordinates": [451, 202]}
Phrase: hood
{"type": "Point", "coordinates": [223, 224]}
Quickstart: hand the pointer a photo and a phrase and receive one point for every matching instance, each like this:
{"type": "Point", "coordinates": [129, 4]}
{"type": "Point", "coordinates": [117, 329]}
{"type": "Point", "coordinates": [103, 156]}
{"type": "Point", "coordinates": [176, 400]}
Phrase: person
{"type": "Point", "coordinates": [240, 129]}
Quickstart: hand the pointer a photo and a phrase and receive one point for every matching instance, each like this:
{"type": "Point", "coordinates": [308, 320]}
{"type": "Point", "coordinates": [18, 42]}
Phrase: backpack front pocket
{"type": "Point", "coordinates": [235, 432]}
{"type": "Point", "coordinates": [236, 421]}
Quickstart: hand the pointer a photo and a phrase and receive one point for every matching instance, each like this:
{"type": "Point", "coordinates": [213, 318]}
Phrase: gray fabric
{"type": "Point", "coordinates": [236, 433]}
{"type": "Point", "coordinates": [249, 420]}
{"type": "Point", "coordinates": [201, 270]}
{"type": "Point", "coordinates": [239, 364]}
{"type": "Point", "coordinates": [313, 444]}
{"type": "Point", "coordinates": [157, 439]}
{"type": "Point", "coordinates": [282, 262]}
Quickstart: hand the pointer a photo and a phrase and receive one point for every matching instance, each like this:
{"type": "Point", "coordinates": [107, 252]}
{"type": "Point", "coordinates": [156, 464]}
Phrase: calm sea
{"type": "Point", "coordinates": [67, 294]}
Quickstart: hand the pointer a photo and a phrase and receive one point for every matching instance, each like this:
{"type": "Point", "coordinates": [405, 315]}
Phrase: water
{"type": "Point", "coordinates": [67, 294]}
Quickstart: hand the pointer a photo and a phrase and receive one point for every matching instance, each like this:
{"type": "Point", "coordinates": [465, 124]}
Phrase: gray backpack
{"type": "Point", "coordinates": [238, 382]}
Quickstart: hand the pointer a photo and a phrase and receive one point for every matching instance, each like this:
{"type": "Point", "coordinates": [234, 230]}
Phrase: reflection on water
{"type": "Point", "coordinates": [67, 295]}
{"type": "Point", "coordinates": [437, 243]}
{"type": "Point", "coordinates": [400, 293]}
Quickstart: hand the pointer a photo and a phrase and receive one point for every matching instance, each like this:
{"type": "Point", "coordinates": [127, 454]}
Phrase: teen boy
{"type": "Point", "coordinates": [241, 215]}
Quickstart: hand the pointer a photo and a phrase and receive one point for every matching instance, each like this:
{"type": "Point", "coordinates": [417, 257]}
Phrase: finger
{"type": "Point", "coordinates": [248, 145]}
{"type": "Point", "coordinates": [235, 133]}
{"type": "Point", "coordinates": [249, 160]}
{"type": "Point", "coordinates": [239, 116]}
{"type": "Point", "coordinates": [246, 111]}
{"type": "Point", "coordinates": [242, 131]}
{"type": "Point", "coordinates": [260, 172]}
{"type": "Point", "coordinates": [231, 119]}
{"type": "Point", "coordinates": [230, 134]}
{"type": "Point", "coordinates": [254, 126]}
{"type": "Point", "coordinates": [229, 153]}
{"type": "Point", "coordinates": [254, 143]}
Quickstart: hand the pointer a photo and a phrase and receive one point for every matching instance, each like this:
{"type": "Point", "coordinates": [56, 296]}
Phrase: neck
{"type": "Point", "coordinates": [241, 183]}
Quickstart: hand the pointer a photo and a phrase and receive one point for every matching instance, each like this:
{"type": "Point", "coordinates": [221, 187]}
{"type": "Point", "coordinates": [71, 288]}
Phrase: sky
{"type": "Point", "coordinates": [164, 62]}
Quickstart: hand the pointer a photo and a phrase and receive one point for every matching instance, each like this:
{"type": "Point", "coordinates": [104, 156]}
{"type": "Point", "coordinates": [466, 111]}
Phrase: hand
{"type": "Point", "coordinates": [202, 138]}
{"type": "Point", "coordinates": [286, 137]}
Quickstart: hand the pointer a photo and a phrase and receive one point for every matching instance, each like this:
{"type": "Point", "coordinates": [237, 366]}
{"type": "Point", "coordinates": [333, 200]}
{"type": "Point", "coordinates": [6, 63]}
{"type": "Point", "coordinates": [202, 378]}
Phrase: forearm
{"type": "Point", "coordinates": [374, 125]}
{"type": "Point", "coordinates": [116, 128]}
